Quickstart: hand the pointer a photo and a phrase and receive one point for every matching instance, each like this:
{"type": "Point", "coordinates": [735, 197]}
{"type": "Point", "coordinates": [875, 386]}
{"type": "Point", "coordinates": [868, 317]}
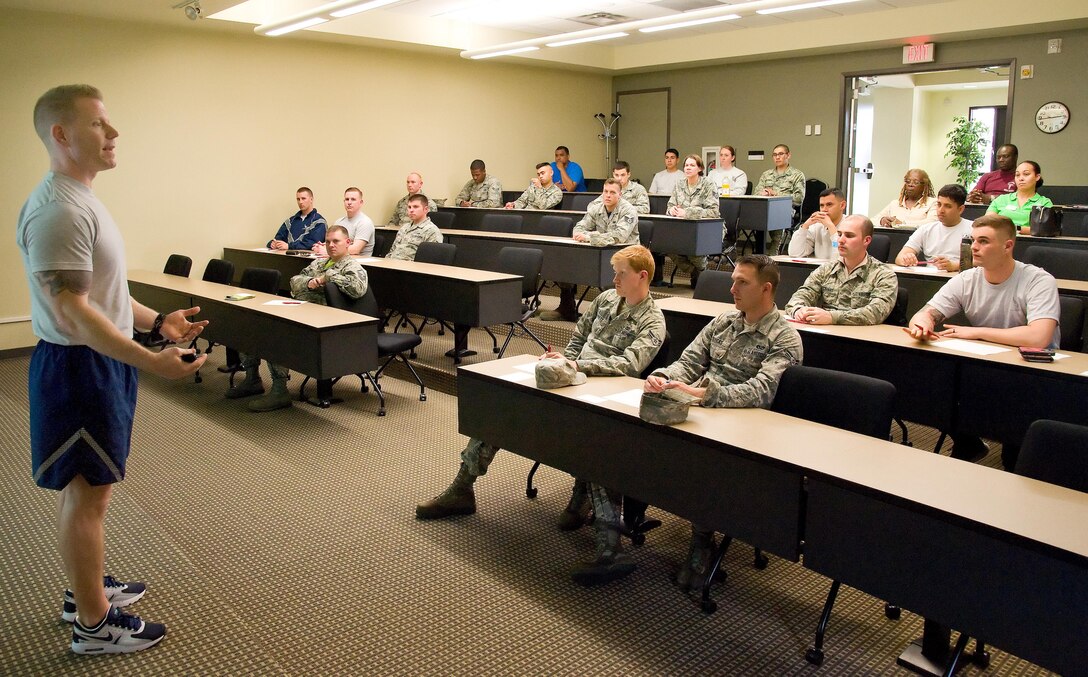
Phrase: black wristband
{"type": "Point", "coordinates": [158, 324]}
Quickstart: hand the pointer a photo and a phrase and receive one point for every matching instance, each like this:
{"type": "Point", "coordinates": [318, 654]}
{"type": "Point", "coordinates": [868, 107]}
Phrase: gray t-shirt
{"type": "Point", "coordinates": [936, 239]}
{"type": "Point", "coordinates": [63, 226]}
{"type": "Point", "coordinates": [1029, 294]}
{"type": "Point", "coordinates": [360, 227]}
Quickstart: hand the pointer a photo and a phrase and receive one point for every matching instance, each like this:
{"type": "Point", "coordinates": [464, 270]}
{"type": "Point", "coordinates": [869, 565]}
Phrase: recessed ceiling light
{"type": "Point", "coordinates": [807, 5]}
{"type": "Point", "coordinates": [592, 38]}
{"type": "Point", "coordinates": [693, 22]}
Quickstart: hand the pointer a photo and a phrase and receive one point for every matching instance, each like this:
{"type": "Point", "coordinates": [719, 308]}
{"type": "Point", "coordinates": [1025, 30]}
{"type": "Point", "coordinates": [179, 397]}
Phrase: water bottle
{"type": "Point", "coordinates": [835, 247]}
{"type": "Point", "coordinates": [966, 258]}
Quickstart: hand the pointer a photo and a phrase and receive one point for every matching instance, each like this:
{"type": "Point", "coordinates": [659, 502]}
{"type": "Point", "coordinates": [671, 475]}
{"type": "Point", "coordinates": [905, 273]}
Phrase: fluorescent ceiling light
{"type": "Point", "coordinates": [297, 26]}
{"type": "Point", "coordinates": [348, 11]}
{"type": "Point", "coordinates": [505, 52]}
{"type": "Point", "coordinates": [807, 5]}
{"type": "Point", "coordinates": [693, 22]}
{"type": "Point", "coordinates": [592, 38]}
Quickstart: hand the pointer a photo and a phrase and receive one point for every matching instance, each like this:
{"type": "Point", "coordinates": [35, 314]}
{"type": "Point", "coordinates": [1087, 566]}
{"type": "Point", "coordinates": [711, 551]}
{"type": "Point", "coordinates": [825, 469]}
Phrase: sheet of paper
{"type": "Point", "coordinates": [970, 347]}
{"type": "Point", "coordinates": [260, 249]}
{"type": "Point", "coordinates": [367, 259]}
{"type": "Point", "coordinates": [592, 399]}
{"type": "Point", "coordinates": [528, 367]}
{"type": "Point", "coordinates": [1060, 356]}
{"type": "Point", "coordinates": [801, 326]}
{"type": "Point", "coordinates": [283, 302]}
{"type": "Point", "coordinates": [517, 376]}
{"type": "Point", "coordinates": [631, 398]}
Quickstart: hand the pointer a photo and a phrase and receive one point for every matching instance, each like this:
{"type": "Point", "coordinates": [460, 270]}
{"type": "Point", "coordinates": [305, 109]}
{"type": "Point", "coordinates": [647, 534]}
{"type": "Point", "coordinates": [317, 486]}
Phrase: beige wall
{"type": "Point", "coordinates": [934, 113]}
{"type": "Point", "coordinates": [756, 105]}
{"type": "Point", "coordinates": [219, 129]}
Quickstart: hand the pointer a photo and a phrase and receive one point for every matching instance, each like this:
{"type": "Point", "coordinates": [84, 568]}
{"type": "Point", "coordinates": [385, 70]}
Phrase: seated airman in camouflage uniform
{"type": "Point", "coordinates": [619, 336]}
{"type": "Point", "coordinates": [782, 179]}
{"type": "Point", "coordinates": [420, 229]}
{"type": "Point", "coordinates": [853, 289]}
{"type": "Point", "coordinates": [482, 190]}
{"type": "Point", "coordinates": [400, 212]}
{"type": "Point", "coordinates": [542, 193]}
{"type": "Point", "coordinates": [736, 361]}
{"type": "Point", "coordinates": [695, 197]}
{"type": "Point", "coordinates": [630, 191]}
{"type": "Point", "coordinates": [610, 221]}
{"type": "Point", "coordinates": [339, 269]}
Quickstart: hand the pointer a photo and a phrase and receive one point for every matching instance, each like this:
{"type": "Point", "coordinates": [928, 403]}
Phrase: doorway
{"type": "Point", "coordinates": [643, 131]}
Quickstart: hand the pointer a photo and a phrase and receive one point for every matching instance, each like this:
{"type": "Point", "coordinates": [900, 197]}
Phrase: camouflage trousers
{"type": "Point", "coordinates": [696, 262]}
{"type": "Point", "coordinates": [477, 455]}
{"type": "Point", "coordinates": [278, 372]}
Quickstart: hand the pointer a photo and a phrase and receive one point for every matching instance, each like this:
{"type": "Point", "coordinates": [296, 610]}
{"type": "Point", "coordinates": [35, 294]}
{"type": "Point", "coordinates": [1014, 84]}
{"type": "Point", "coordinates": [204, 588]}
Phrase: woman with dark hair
{"type": "Point", "coordinates": [1017, 206]}
{"type": "Point", "coordinates": [916, 205]}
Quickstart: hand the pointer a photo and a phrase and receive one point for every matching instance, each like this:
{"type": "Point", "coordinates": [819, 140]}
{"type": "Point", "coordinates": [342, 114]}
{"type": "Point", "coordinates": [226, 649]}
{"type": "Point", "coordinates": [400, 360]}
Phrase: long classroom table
{"type": "Point", "coordinates": [996, 396]}
{"type": "Point", "coordinates": [465, 297]}
{"type": "Point", "coordinates": [899, 237]}
{"type": "Point", "coordinates": [309, 338]}
{"type": "Point", "coordinates": [992, 554]}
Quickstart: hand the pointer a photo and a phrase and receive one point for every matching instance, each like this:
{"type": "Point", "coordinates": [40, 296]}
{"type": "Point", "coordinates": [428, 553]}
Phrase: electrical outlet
{"type": "Point", "coordinates": [808, 130]}
{"type": "Point", "coordinates": [819, 129]}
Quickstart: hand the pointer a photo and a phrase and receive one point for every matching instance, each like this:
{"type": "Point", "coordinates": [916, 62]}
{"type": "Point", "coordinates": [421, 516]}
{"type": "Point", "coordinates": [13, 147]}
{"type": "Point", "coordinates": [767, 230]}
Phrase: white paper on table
{"type": "Point", "coordinates": [808, 327]}
{"type": "Point", "coordinates": [592, 399]}
{"type": "Point", "coordinates": [529, 367]}
{"type": "Point", "coordinates": [261, 249]}
{"type": "Point", "coordinates": [517, 376]}
{"type": "Point", "coordinates": [631, 398]}
{"type": "Point", "coordinates": [283, 302]}
{"type": "Point", "coordinates": [367, 259]}
{"type": "Point", "coordinates": [1060, 356]}
{"type": "Point", "coordinates": [969, 347]}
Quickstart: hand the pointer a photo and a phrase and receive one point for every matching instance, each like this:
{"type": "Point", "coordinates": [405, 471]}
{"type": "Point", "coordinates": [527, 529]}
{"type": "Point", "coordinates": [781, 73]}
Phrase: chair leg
{"type": "Point", "coordinates": [378, 390]}
{"type": "Point", "coordinates": [815, 655]}
{"type": "Point", "coordinates": [940, 442]}
{"type": "Point", "coordinates": [708, 605]}
{"type": "Point", "coordinates": [494, 339]}
{"type": "Point", "coordinates": [530, 490]}
{"type": "Point", "coordinates": [906, 436]}
{"type": "Point", "coordinates": [957, 653]}
{"type": "Point", "coordinates": [759, 560]}
{"type": "Point", "coordinates": [415, 375]}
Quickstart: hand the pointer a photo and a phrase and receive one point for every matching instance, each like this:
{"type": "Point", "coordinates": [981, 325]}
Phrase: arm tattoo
{"type": "Point", "coordinates": [73, 281]}
{"type": "Point", "coordinates": [936, 315]}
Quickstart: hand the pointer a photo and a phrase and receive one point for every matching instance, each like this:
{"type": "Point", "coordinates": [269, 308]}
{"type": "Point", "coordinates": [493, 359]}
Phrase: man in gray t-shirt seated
{"type": "Point", "coordinates": [1006, 301]}
{"type": "Point", "coordinates": [360, 227]}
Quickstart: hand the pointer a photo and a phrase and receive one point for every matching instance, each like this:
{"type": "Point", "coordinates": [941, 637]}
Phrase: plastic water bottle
{"type": "Point", "coordinates": [835, 246]}
{"type": "Point", "coordinates": [966, 258]}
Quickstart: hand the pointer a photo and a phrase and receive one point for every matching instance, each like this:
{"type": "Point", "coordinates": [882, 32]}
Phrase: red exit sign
{"type": "Point", "coordinates": [923, 53]}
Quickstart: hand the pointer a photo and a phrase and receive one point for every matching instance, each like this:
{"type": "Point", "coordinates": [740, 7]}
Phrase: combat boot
{"type": "Point", "coordinates": [574, 515]}
{"type": "Point", "coordinates": [695, 276]}
{"type": "Point", "coordinates": [277, 397]}
{"type": "Point", "coordinates": [568, 307]}
{"type": "Point", "coordinates": [608, 564]}
{"type": "Point", "coordinates": [457, 499]}
{"type": "Point", "coordinates": [694, 570]}
{"type": "Point", "coordinates": [252, 385]}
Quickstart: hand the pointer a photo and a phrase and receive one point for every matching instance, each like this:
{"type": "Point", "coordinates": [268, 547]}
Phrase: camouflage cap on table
{"type": "Point", "coordinates": [557, 373]}
{"type": "Point", "coordinates": [667, 407]}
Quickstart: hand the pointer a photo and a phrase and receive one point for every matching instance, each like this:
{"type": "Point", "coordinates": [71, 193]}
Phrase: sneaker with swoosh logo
{"type": "Point", "coordinates": [118, 632]}
{"type": "Point", "coordinates": [118, 593]}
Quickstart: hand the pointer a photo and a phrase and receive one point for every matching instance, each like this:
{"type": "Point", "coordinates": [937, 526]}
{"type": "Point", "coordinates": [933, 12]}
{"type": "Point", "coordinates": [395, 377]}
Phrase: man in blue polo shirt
{"type": "Point", "coordinates": [303, 230]}
{"type": "Point", "coordinates": [566, 174]}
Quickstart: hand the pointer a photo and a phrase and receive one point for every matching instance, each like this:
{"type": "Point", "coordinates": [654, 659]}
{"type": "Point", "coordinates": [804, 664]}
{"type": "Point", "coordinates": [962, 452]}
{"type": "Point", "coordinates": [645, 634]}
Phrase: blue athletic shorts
{"type": "Point", "coordinates": [81, 409]}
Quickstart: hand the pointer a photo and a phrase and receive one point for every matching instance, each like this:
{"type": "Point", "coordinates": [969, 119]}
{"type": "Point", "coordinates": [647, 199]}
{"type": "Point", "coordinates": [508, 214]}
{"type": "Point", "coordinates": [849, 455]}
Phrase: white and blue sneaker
{"type": "Point", "coordinates": [118, 593]}
{"type": "Point", "coordinates": [118, 632]}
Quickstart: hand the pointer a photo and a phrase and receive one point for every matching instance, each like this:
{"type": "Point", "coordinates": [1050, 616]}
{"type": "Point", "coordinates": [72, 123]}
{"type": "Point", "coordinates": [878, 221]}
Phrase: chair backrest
{"type": "Point", "coordinates": [1071, 324]}
{"type": "Point", "coordinates": [811, 201]}
{"type": "Point", "coordinates": [178, 264]}
{"type": "Point", "coordinates": [880, 248]}
{"type": "Point", "coordinates": [645, 232]}
{"type": "Point", "coordinates": [501, 223]}
{"type": "Point", "coordinates": [524, 262]}
{"type": "Point", "coordinates": [579, 203]}
{"type": "Point", "coordinates": [436, 252]}
{"type": "Point", "coordinates": [266, 280]}
{"type": "Point", "coordinates": [594, 185]}
{"type": "Point", "coordinates": [1065, 195]}
{"type": "Point", "coordinates": [817, 395]}
{"type": "Point", "coordinates": [661, 359]}
{"type": "Point", "coordinates": [898, 317]}
{"type": "Point", "coordinates": [714, 285]}
{"type": "Point", "coordinates": [1075, 225]}
{"type": "Point", "coordinates": [219, 270]}
{"type": "Point", "coordinates": [748, 189]}
{"type": "Point", "coordinates": [730, 211]}
{"type": "Point", "coordinates": [1054, 452]}
{"type": "Point", "coordinates": [383, 243]}
{"type": "Point", "coordinates": [443, 219]}
{"type": "Point", "coordinates": [554, 225]}
{"type": "Point", "coordinates": [1069, 264]}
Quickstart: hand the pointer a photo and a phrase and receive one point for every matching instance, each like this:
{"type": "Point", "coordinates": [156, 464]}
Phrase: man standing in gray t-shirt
{"type": "Point", "coordinates": [83, 370]}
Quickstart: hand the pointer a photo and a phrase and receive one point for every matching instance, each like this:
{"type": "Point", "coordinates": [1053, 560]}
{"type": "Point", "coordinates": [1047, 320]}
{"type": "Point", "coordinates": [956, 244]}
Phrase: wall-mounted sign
{"type": "Point", "coordinates": [924, 53]}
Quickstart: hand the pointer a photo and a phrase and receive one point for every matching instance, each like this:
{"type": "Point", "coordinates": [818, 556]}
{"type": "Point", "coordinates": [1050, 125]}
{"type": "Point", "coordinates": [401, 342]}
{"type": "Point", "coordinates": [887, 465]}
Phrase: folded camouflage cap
{"type": "Point", "coordinates": [557, 373]}
{"type": "Point", "coordinates": [667, 407]}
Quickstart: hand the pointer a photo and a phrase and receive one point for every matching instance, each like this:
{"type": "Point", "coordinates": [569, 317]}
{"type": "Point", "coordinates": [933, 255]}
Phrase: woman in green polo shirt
{"type": "Point", "coordinates": [1017, 206]}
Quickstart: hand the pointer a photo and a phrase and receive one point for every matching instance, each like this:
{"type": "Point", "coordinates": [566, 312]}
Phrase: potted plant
{"type": "Point", "coordinates": [965, 148]}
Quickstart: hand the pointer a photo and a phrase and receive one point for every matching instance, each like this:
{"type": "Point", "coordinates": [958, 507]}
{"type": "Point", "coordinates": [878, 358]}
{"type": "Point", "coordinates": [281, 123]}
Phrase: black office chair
{"type": "Point", "coordinates": [815, 395]}
{"type": "Point", "coordinates": [748, 189]}
{"type": "Point", "coordinates": [594, 185]}
{"type": "Point", "coordinates": [526, 263]}
{"type": "Point", "coordinates": [178, 264]}
{"type": "Point", "coordinates": [645, 232]}
{"type": "Point", "coordinates": [264, 280]}
{"type": "Point", "coordinates": [714, 285]}
{"type": "Point", "coordinates": [1068, 264]}
{"type": "Point", "coordinates": [552, 225]}
{"type": "Point", "coordinates": [1071, 325]}
{"type": "Point", "coordinates": [219, 271]}
{"type": "Point", "coordinates": [1074, 227]}
{"type": "Point", "coordinates": [501, 223]}
{"type": "Point", "coordinates": [730, 211]}
{"type": "Point", "coordinates": [391, 346]}
{"type": "Point", "coordinates": [880, 248]}
{"type": "Point", "coordinates": [443, 219]}
{"type": "Point", "coordinates": [580, 203]}
{"type": "Point", "coordinates": [429, 252]}
{"type": "Point", "coordinates": [382, 244]}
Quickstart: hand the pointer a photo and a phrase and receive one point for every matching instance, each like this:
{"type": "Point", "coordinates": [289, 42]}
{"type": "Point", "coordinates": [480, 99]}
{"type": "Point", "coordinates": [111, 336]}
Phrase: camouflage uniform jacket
{"type": "Point", "coordinates": [347, 274]}
{"type": "Point", "coordinates": [619, 227]}
{"type": "Point", "coordinates": [616, 339]}
{"type": "Point", "coordinates": [487, 193]}
{"type": "Point", "coordinates": [410, 237]}
{"type": "Point", "coordinates": [699, 201]}
{"type": "Point", "coordinates": [400, 212]}
{"type": "Point", "coordinates": [536, 197]}
{"type": "Point", "coordinates": [865, 296]}
{"type": "Point", "coordinates": [739, 365]}
{"type": "Point", "coordinates": [790, 182]}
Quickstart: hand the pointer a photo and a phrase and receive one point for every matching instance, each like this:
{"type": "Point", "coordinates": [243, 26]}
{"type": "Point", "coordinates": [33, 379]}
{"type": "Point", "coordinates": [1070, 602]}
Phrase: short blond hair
{"type": "Point", "coordinates": [58, 106]}
{"type": "Point", "coordinates": [637, 257]}
{"type": "Point", "coordinates": [1002, 225]}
